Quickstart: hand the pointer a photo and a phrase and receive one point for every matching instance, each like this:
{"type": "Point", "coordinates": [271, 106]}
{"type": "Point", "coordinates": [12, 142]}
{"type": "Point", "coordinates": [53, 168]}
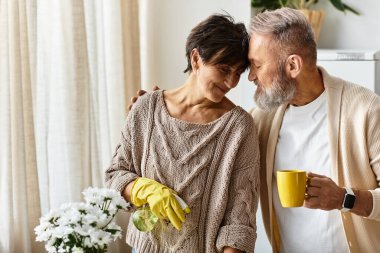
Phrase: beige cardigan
{"type": "Point", "coordinates": [354, 135]}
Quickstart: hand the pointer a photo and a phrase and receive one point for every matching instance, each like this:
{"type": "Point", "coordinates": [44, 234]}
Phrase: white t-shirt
{"type": "Point", "coordinates": [303, 145]}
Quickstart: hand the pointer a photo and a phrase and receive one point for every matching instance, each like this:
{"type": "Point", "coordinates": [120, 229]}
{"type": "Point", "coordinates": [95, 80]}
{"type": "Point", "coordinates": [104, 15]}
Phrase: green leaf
{"type": "Point", "coordinates": [338, 4]}
{"type": "Point", "coordinates": [350, 9]}
{"type": "Point", "coordinates": [275, 4]}
{"type": "Point", "coordinates": [342, 6]}
{"type": "Point", "coordinates": [112, 231]}
{"type": "Point", "coordinates": [283, 3]}
{"type": "Point", "coordinates": [266, 4]}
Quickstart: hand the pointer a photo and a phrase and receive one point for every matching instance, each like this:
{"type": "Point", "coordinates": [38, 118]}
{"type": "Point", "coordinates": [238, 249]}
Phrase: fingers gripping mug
{"type": "Point", "coordinates": [291, 185]}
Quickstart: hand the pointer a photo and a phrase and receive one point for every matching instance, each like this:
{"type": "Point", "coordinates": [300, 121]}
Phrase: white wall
{"type": "Point", "coordinates": [349, 31]}
{"type": "Point", "coordinates": [165, 25]}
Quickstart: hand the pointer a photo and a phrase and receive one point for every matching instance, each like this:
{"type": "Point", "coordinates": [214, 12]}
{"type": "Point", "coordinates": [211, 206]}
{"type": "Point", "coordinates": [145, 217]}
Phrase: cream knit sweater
{"type": "Point", "coordinates": [213, 167]}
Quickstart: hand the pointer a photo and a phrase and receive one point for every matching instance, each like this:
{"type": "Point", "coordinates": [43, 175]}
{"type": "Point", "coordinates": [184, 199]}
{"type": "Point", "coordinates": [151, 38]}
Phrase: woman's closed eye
{"type": "Point", "coordinates": [224, 70]}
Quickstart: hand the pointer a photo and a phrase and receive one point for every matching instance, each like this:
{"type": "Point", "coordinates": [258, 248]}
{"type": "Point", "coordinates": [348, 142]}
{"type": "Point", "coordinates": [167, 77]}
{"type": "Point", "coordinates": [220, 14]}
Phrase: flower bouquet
{"type": "Point", "coordinates": [83, 227]}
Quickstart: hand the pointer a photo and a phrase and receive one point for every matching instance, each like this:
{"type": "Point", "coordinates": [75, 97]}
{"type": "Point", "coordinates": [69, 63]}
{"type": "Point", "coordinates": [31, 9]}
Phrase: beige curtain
{"type": "Point", "coordinates": [66, 71]}
{"type": "Point", "coordinates": [19, 193]}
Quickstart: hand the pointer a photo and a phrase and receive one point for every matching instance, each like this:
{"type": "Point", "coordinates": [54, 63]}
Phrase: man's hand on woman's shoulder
{"type": "Point", "coordinates": [139, 93]}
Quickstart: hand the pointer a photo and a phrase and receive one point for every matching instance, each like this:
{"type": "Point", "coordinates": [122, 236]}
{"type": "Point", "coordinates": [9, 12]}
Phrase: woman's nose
{"type": "Point", "coordinates": [232, 80]}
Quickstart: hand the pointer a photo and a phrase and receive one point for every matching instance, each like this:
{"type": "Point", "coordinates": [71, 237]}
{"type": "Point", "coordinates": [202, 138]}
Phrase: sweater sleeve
{"type": "Point", "coordinates": [374, 153]}
{"type": "Point", "coordinates": [238, 229]}
{"type": "Point", "coordinates": [125, 162]}
{"type": "Point", "coordinates": [121, 171]}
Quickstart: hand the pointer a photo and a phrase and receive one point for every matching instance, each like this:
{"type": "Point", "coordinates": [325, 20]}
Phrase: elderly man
{"type": "Point", "coordinates": [310, 120]}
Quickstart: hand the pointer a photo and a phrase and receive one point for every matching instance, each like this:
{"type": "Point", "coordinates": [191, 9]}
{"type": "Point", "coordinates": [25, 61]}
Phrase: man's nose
{"type": "Point", "coordinates": [252, 74]}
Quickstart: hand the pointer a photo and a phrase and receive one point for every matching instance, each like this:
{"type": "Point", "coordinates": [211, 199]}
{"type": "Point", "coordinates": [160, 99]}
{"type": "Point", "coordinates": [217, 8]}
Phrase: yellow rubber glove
{"type": "Point", "coordinates": [160, 198]}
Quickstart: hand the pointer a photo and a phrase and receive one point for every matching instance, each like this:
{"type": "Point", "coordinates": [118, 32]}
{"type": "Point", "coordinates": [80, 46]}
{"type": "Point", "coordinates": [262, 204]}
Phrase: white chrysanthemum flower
{"type": "Point", "coordinates": [117, 201]}
{"type": "Point", "coordinates": [77, 250]}
{"type": "Point", "coordinates": [100, 237]}
{"type": "Point", "coordinates": [89, 219]}
{"type": "Point", "coordinates": [93, 196]}
{"type": "Point", "coordinates": [50, 249]}
{"type": "Point", "coordinates": [110, 194]}
{"type": "Point", "coordinates": [113, 226]}
{"type": "Point", "coordinates": [88, 224]}
{"type": "Point", "coordinates": [84, 230]}
{"type": "Point", "coordinates": [59, 232]}
{"type": "Point", "coordinates": [43, 231]}
{"type": "Point", "coordinates": [88, 242]}
{"type": "Point", "coordinates": [73, 214]}
{"type": "Point", "coordinates": [102, 219]}
{"type": "Point", "coordinates": [51, 216]}
{"type": "Point", "coordinates": [62, 248]}
{"type": "Point", "coordinates": [116, 230]}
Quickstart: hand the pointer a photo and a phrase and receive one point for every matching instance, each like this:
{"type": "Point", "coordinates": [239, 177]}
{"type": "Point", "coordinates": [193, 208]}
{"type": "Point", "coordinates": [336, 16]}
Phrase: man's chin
{"type": "Point", "coordinates": [267, 105]}
{"type": "Point", "coordinates": [270, 101]}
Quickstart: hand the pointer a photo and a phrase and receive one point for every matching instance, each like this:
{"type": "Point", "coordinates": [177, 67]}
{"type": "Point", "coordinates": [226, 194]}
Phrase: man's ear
{"type": "Point", "coordinates": [194, 57]}
{"type": "Point", "coordinates": [294, 65]}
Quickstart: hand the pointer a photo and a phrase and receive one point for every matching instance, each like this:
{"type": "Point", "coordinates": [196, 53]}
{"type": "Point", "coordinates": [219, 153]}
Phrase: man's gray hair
{"type": "Point", "coordinates": [290, 30]}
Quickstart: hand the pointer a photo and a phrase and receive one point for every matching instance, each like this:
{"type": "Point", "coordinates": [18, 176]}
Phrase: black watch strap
{"type": "Point", "coordinates": [349, 200]}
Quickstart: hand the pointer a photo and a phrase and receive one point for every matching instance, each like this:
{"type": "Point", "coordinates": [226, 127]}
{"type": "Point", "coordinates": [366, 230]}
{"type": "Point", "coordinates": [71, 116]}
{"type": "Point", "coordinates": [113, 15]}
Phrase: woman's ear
{"type": "Point", "coordinates": [194, 59]}
{"type": "Point", "coordinates": [294, 65]}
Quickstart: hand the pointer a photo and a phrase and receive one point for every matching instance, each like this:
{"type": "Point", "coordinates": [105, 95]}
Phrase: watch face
{"type": "Point", "coordinates": [349, 201]}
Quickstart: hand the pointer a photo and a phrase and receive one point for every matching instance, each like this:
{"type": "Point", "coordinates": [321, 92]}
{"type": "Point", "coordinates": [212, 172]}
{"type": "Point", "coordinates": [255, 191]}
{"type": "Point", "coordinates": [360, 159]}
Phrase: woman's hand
{"type": "Point", "coordinates": [161, 200]}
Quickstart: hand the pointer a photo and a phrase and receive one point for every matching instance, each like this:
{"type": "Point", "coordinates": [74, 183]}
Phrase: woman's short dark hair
{"type": "Point", "coordinates": [219, 40]}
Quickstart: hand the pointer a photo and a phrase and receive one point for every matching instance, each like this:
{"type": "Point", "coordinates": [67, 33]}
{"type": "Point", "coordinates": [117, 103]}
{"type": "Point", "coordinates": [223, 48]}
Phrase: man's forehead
{"type": "Point", "coordinates": [259, 41]}
{"type": "Point", "coordinates": [259, 45]}
{"type": "Point", "coordinates": [262, 47]}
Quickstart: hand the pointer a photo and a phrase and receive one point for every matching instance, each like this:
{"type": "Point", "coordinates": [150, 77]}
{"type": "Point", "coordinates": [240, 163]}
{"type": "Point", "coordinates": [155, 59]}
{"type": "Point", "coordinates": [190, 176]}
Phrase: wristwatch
{"type": "Point", "coordinates": [349, 200]}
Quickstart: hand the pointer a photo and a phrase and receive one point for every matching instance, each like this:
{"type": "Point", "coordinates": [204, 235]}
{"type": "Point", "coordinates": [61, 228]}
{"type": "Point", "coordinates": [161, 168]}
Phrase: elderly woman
{"type": "Point", "coordinates": [194, 142]}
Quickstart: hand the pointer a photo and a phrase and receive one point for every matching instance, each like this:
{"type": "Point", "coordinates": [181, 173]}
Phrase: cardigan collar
{"type": "Point", "coordinates": [334, 88]}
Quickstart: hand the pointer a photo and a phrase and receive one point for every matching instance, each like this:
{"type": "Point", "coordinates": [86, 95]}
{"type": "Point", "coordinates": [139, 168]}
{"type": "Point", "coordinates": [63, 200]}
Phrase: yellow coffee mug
{"type": "Point", "coordinates": [291, 185]}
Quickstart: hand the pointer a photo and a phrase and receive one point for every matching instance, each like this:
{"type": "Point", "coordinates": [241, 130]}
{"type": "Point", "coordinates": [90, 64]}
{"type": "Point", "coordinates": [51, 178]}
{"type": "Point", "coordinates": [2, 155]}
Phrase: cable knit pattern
{"type": "Point", "coordinates": [213, 167]}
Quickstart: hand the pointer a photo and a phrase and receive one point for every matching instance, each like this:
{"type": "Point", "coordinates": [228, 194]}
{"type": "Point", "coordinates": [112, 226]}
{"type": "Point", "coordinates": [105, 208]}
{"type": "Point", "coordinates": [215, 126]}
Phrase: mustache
{"type": "Point", "coordinates": [258, 83]}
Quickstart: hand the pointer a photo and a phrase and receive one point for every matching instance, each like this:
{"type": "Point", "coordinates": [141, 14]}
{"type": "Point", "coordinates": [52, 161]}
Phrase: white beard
{"type": "Point", "coordinates": [281, 91]}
